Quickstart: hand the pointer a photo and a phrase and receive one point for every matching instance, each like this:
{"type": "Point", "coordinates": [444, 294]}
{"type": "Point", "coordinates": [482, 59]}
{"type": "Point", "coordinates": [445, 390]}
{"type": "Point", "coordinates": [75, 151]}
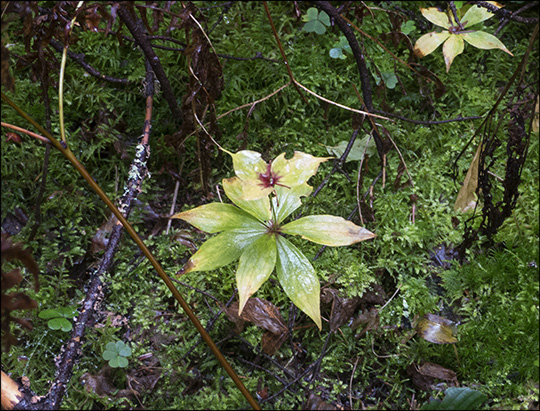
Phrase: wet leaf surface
{"type": "Point", "coordinates": [436, 329]}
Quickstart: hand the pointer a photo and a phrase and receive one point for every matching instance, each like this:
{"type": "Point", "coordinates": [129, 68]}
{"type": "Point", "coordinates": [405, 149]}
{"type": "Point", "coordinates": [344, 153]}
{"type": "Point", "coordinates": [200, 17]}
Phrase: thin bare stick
{"type": "Point", "coordinates": [209, 42]}
{"type": "Point", "coordinates": [255, 102]}
{"type": "Point", "coordinates": [401, 157]}
{"type": "Point", "coordinates": [340, 105]}
{"type": "Point", "coordinates": [28, 132]}
{"type": "Point", "coordinates": [173, 205]}
{"type": "Point", "coordinates": [283, 52]}
{"type": "Point", "coordinates": [206, 131]}
{"type": "Point", "coordinates": [391, 298]}
{"type": "Point", "coordinates": [358, 181]}
{"type": "Point", "coordinates": [351, 380]}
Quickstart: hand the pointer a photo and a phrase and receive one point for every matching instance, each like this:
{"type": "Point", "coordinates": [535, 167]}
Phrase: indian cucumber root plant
{"type": "Point", "coordinates": [253, 231]}
{"type": "Point", "coordinates": [344, 122]}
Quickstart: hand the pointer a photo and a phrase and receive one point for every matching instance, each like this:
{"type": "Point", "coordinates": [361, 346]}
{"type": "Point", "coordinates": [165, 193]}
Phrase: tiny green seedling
{"type": "Point", "coordinates": [357, 151]}
{"type": "Point", "coordinates": [315, 21]}
{"type": "Point", "coordinates": [408, 27]}
{"type": "Point", "coordinates": [389, 79]}
{"type": "Point", "coordinates": [339, 47]}
{"type": "Point", "coordinates": [58, 318]}
{"type": "Point", "coordinates": [116, 353]}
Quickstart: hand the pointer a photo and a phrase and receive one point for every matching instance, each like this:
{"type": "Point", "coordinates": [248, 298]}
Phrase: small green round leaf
{"type": "Point", "coordinates": [60, 324]}
{"type": "Point", "coordinates": [67, 312]}
{"type": "Point", "coordinates": [109, 355]}
{"type": "Point", "coordinates": [50, 313]}
{"type": "Point", "coordinates": [111, 346]}
{"type": "Point", "coordinates": [125, 351]}
{"type": "Point", "coordinates": [122, 362]}
{"type": "Point", "coordinates": [336, 53]}
{"type": "Point", "coordinates": [324, 18]}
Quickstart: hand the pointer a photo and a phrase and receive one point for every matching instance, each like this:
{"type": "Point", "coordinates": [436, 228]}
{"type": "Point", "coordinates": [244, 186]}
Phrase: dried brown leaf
{"type": "Point", "coordinates": [342, 308]}
{"type": "Point", "coordinates": [466, 199]}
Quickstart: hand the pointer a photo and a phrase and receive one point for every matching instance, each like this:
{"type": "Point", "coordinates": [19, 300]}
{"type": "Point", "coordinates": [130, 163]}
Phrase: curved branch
{"type": "Point", "coordinates": [507, 14]}
{"type": "Point", "coordinates": [142, 40]}
{"type": "Point", "coordinates": [360, 62]}
{"type": "Point", "coordinates": [79, 58]}
{"type": "Point", "coordinates": [384, 113]}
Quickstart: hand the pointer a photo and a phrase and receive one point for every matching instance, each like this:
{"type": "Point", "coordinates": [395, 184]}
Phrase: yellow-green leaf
{"type": "Point", "coordinates": [436, 329]}
{"type": "Point", "coordinates": [328, 230]}
{"type": "Point", "coordinates": [299, 280]}
{"type": "Point", "coordinates": [437, 17]}
{"type": "Point", "coordinates": [452, 48]}
{"type": "Point", "coordinates": [298, 169]}
{"type": "Point", "coordinates": [223, 249]}
{"type": "Point", "coordinates": [259, 208]}
{"type": "Point", "coordinates": [429, 42]}
{"type": "Point", "coordinates": [483, 40]}
{"type": "Point", "coordinates": [466, 199]}
{"type": "Point", "coordinates": [256, 264]}
{"type": "Point", "coordinates": [215, 217]}
{"type": "Point", "coordinates": [477, 14]}
{"type": "Point", "coordinates": [287, 200]}
{"type": "Point", "coordinates": [248, 164]}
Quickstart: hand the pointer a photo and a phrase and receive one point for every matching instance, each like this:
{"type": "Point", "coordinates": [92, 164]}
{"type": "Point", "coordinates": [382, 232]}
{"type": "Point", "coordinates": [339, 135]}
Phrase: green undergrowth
{"type": "Point", "coordinates": [494, 293]}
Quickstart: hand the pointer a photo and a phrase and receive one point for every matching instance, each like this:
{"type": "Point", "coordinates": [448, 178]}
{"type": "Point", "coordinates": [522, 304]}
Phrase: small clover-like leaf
{"type": "Point", "coordinates": [60, 324]}
{"type": "Point", "coordinates": [408, 27]}
{"type": "Point", "coordinates": [58, 318]}
{"type": "Point", "coordinates": [316, 21]}
{"type": "Point", "coordinates": [116, 353]}
{"type": "Point", "coordinates": [389, 78]}
{"type": "Point", "coordinates": [337, 53]}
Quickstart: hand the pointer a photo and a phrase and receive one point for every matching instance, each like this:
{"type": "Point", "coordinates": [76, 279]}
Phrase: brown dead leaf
{"type": "Point", "coordinates": [271, 343]}
{"type": "Point", "coordinates": [466, 199]}
{"type": "Point", "coordinates": [315, 402]}
{"type": "Point", "coordinates": [368, 320]}
{"type": "Point", "coordinates": [263, 314]}
{"type": "Point", "coordinates": [425, 376]}
{"type": "Point", "coordinates": [342, 308]}
{"type": "Point", "coordinates": [102, 384]}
